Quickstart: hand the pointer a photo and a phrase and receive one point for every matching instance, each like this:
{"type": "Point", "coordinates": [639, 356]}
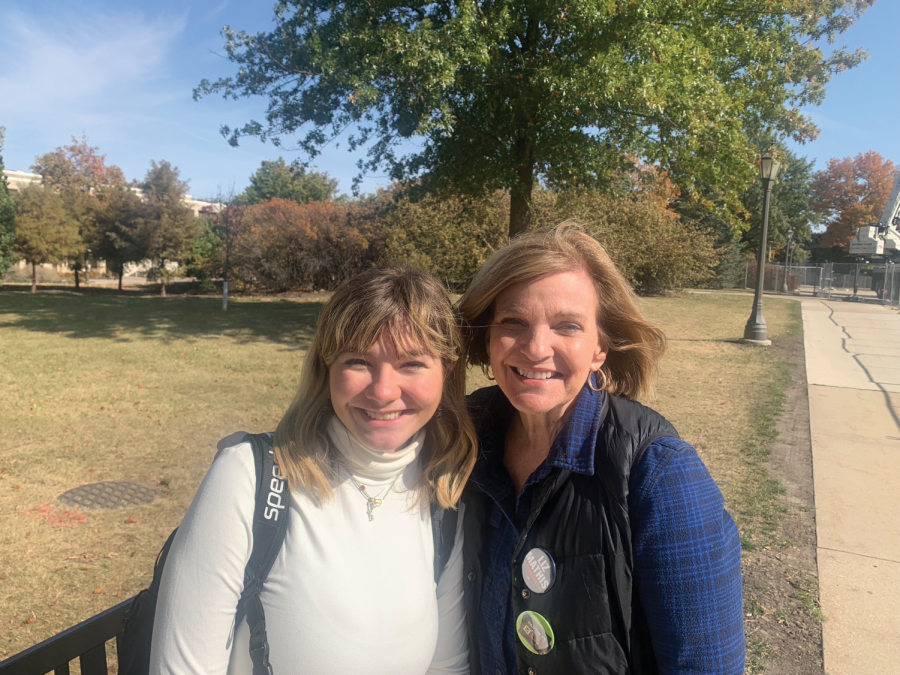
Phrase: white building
{"type": "Point", "coordinates": [19, 179]}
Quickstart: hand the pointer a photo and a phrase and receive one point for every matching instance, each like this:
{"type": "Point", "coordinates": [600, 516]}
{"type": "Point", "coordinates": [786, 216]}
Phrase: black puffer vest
{"type": "Point", "coordinates": [582, 521]}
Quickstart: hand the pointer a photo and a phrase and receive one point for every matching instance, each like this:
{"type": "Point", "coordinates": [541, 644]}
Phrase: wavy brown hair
{"type": "Point", "coordinates": [414, 309]}
{"type": "Point", "coordinates": [634, 345]}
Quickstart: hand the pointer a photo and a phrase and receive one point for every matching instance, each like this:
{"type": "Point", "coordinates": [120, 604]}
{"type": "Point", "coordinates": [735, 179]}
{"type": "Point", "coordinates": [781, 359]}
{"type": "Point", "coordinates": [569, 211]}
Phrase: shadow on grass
{"type": "Point", "coordinates": [125, 317]}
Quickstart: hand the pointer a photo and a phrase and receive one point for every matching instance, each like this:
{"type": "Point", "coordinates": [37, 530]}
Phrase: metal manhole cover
{"type": "Point", "coordinates": [109, 495]}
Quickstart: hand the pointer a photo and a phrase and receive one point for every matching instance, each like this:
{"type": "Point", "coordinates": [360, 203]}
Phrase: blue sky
{"type": "Point", "coordinates": [123, 73]}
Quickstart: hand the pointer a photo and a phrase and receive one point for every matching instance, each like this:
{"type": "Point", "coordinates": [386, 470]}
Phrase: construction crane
{"type": "Point", "coordinates": [882, 238]}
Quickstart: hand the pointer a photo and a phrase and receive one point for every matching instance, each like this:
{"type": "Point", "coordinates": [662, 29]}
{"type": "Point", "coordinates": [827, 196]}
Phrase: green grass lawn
{"type": "Point", "coordinates": [106, 387]}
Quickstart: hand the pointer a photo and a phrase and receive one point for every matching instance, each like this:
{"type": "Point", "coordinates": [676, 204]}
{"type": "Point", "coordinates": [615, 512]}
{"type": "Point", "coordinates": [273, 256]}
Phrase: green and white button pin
{"type": "Point", "coordinates": [535, 632]}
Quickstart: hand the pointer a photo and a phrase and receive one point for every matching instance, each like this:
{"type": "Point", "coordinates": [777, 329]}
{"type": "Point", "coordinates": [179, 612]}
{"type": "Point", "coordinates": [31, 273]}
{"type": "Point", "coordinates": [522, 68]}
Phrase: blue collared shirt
{"type": "Point", "coordinates": [687, 552]}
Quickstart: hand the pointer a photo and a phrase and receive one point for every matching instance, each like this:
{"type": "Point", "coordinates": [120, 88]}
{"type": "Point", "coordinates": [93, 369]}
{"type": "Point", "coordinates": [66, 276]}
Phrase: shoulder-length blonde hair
{"type": "Point", "coordinates": [634, 345]}
{"type": "Point", "coordinates": [414, 309]}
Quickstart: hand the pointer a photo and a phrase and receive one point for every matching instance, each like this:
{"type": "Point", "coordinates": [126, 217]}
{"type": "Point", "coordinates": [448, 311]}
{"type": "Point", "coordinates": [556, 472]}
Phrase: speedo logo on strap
{"type": "Point", "coordinates": [274, 502]}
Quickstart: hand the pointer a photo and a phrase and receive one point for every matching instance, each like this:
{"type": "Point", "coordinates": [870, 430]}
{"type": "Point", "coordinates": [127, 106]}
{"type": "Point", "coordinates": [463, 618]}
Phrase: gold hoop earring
{"type": "Point", "coordinates": [604, 380]}
{"type": "Point", "coordinates": [489, 374]}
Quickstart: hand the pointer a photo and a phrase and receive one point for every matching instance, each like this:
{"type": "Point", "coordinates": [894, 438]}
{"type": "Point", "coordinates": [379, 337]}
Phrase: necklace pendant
{"type": "Point", "coordinates": [371, 503]}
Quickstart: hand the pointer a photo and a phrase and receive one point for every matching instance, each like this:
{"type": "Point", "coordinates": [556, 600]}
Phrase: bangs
{"type": "Point", "coordinates": [411, 330]}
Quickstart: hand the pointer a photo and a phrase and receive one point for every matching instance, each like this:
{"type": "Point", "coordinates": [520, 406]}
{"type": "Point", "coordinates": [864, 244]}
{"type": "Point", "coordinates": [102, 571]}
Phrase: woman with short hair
{"type": "Point", "coordinates": [595, 539]}
{"type": "Point", "coordinates": [377, 434]}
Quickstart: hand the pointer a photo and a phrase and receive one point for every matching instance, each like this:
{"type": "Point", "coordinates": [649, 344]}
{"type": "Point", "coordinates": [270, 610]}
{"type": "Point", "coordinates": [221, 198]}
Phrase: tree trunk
{"type": "Point", "coordinates": [76, 268]}
{"type": "Point", "coordinates": [225, 275]}
{"type": "Point", "coordinates": [121, 274]}
{"type": "Point", "coordinates": [520, 194]}
{"type": "Point", "coordinates": [519, 212]}
{"type": "Point", "coordinates": [34, 277]}
{"type": "Point", "coordinates": [162, 288]}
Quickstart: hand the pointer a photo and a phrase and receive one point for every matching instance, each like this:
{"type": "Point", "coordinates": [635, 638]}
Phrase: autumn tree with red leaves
{"type": "Point", "coordinates": [78, 166]}
{"type": "Point", "coordinates": [272, 246]}
{"type": "Point", "coordinates": [78, 173]}
{"type": "Point", "coordinates": [852, 193]}
{"type": "Point", "coordinates": [281, 245]}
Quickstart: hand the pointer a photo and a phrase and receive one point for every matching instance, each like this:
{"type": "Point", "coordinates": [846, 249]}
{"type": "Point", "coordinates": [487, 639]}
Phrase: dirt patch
{"type": "Point", "coordinates": [783, 621]}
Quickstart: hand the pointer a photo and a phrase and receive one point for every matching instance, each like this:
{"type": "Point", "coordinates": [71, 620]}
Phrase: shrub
{"type": "Point", "coordinates": [653, 247]}
{"type": "Point", "coordinates": [452, 237]}
{"type": "Point", "coordinates": [280, 245]}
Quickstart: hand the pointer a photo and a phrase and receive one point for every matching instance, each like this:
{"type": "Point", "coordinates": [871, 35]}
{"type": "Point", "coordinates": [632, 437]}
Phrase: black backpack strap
{"type": "Point", "coordinates": [443, 530]}
{"type": "Point", "coordinates": [270, 515]}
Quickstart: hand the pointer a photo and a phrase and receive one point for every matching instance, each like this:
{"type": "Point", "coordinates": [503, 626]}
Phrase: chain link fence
{"type": "Point", "coordinates": [844, 281]}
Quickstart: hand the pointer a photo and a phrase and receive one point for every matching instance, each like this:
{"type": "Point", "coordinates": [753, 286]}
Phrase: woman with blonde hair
{"type": "Point", "coordinates": [376, 439]}
{"type": "Point", "coordinates": [595, 539]}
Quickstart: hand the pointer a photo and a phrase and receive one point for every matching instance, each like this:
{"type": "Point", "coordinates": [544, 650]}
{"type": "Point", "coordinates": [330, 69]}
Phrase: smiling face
{"type": "Point", "coordinates": [384, 398]}
{"type": "Point", "coordinates": [543, 342]}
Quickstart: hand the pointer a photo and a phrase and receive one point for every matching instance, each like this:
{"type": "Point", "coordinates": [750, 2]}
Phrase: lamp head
{"type": "Point", "coordinates": [768, 166]}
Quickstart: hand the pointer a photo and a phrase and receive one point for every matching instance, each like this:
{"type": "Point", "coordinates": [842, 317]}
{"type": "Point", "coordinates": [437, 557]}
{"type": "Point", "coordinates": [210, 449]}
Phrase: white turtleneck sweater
{"type": "Point", "coordinates": [346, 595]}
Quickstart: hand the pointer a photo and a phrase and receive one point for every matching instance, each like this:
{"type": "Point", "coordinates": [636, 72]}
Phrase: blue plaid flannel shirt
{"type": "Point", "coordinates": [687, 552]}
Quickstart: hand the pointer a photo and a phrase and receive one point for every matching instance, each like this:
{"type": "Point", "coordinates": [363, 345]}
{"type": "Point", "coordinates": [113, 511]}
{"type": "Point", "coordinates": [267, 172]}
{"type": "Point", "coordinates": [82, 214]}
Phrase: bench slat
{"type": "Point", "coordinates": [93, 662]}
{"type": "Point", "coordinates": [54, 654]}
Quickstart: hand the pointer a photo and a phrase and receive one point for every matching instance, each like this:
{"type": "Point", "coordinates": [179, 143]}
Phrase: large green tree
{"type": "Point", "coordinates": [45, 232]}
{"type": "Point", "coordinates": [509, 93]}
{"type": "Point", "coordinates": [278, 179]}
{"type": "Point", "coordinates": [169, 225]}
{"type": "Point", "coordinates": [7, 220]}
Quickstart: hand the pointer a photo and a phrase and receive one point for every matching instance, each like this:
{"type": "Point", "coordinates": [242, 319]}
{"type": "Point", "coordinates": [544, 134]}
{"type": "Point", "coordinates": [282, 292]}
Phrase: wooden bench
{"type": "Point", "coordinates": [85, 642]}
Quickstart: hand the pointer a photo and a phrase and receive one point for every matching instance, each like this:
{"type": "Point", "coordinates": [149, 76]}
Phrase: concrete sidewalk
{"type": "Point", "coordinates": [853, 369]}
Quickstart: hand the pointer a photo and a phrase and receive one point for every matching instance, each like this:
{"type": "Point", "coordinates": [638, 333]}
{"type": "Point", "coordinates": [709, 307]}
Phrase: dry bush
{"type": "Point", "coordinates": [654, 248]}
{"type": "Point", "coordinates": [452, 237]}
{"type": "Point", "coordinates": [281, 245]}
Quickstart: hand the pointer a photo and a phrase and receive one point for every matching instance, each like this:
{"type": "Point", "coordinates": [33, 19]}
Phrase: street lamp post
{"type": "Point", "coordinates": [755, 331]}
{"type": "Point", "coordinates": [787, 262]}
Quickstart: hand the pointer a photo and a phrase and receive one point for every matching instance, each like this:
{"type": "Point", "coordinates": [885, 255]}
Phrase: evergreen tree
{"type": "Point", "coordinates": [120, 233]}
{"type": "Point", "coordinates": [7, 220]}
{"type": "Point", "coordinates": [169, 226]}
{"type": "Point", "coordinates": [790, 207]}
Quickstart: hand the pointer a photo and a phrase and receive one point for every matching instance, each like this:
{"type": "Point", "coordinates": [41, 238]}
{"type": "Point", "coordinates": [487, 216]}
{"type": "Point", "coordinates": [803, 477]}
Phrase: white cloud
{"type": "Point", "coordinates": [80, 66]}
{"type": "Point", "coordinates": [218, 10]}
